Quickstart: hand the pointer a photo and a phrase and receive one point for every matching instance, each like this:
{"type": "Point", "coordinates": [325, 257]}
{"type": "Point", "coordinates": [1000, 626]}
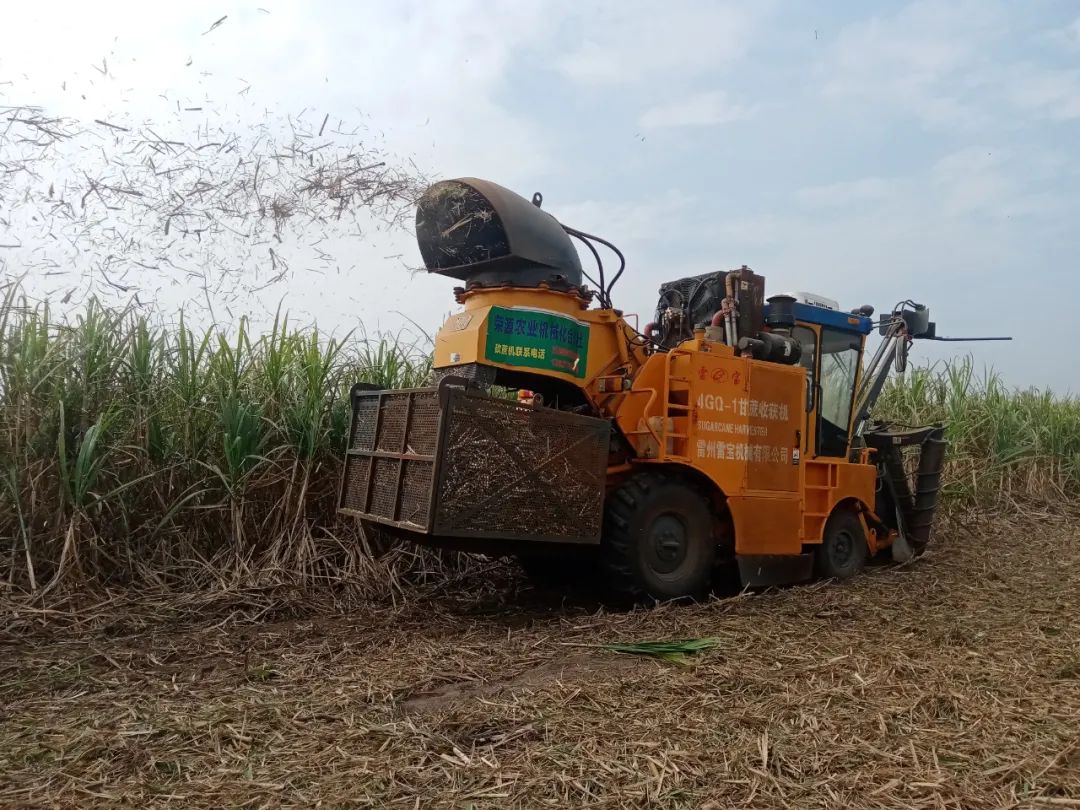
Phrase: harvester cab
{"type": "Point", "coordinates": [733, 428]}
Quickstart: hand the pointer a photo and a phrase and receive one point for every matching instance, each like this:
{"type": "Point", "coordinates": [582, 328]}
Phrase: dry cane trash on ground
{"type": "Point", "coordinates": [949, 682]}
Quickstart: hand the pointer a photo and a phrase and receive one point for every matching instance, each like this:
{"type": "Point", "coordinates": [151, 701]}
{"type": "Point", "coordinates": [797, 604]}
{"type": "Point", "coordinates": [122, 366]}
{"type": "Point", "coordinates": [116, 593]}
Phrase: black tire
{"type": "Point", "coordinates": [843, 551]}
{"type": "Point", "coordinates": [658, 540]}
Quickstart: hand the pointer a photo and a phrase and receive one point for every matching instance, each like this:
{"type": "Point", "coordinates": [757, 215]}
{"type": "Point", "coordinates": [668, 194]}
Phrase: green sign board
{"type": "Point", "coordinates": [537, 339]}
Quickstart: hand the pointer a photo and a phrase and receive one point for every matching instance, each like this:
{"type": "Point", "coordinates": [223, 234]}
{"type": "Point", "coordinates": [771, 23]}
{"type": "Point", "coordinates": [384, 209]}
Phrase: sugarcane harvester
{"type": "Point", "coordinates": [732, 428]}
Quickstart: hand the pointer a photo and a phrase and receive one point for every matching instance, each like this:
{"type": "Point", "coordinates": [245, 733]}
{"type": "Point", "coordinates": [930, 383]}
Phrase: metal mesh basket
{"type": "Point", "coordinates": [454, 462]}
{"type": "Point", "coordinates": [516, 471]}
{"type": "Point", "coordinates": [390, 462]}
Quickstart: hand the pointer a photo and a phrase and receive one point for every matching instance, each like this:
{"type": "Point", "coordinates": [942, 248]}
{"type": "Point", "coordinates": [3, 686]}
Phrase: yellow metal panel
{"type": "Point", "coordinates": [471, 336]}
{"type": "Point", "coordinates": [644, 399]}
{"type": "Point", "coordinates": [829, 482]}
{"type": "Point", "coordinates": [768, 525]}
{"type": "Point", "coordinates": [744, 420]}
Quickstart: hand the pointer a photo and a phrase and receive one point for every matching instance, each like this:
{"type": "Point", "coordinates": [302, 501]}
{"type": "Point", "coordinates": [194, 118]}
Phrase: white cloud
{"type": "Point", "coordinates": [1069, 35]}
{"type": "Point", "coordinates": [846, 193]}
{"type": "Point", "coordinates": [924, 60]}
{"type": "Point", "coordinates": [625, 222]}
{"type": "Point", "coordinates": [628, 42]}
{"type": "Point", "coordinates": [983, 182]}
{"type": "Point", "coordinates": [1053, 94]}
{"type": "Point", "coordinates": [702, 109]}
{"type": "Point", "coordinates": [938, 63]}
{"type": "Point", "coordinates": [971, 181]}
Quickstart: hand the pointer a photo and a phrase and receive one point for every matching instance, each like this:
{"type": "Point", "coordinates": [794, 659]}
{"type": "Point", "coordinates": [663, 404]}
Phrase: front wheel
{"type": "Point", "coordinates": [843, 550]}
{"type": "Point", "coordinates": [658, 539]}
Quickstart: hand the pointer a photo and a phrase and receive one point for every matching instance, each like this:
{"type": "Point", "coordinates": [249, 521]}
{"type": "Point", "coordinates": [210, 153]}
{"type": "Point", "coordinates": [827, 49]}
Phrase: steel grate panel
{"type": "Point", "coordinates": [423, 424]}
{"type": "Point", "coordinates": [414, 503]}
{"type": "Point", "coordinates": [520, 472]}
{"type": "Point", "coordinates": [504, 470]}
{"type": "Point", "coordinates": [395, 408]}
{"type": "Point", "coordinates": [388, 475]}
{"type": "Point", "coordinates": [365, 411]}
{"type": "Point", "coordinates": [383, 488]}
{"type": "Point", "coordinates": [354, 494]}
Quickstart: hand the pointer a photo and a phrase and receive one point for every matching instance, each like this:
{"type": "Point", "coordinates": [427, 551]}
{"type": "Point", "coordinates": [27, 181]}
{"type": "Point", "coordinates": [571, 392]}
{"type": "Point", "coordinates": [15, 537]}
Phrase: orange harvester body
{"type": "Point", "coordinates": [730, 429]}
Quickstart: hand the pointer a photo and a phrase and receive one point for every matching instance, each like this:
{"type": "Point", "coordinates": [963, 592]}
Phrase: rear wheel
{"type": "Point", "coordinates": [658, 539]}
{"type": "Point", "coordinates": [843, 550]}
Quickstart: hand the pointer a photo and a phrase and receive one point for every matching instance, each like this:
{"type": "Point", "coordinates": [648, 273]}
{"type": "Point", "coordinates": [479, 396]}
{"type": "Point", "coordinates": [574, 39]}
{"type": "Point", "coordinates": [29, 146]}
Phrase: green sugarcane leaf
{"type": "Point", "coordinates": [674, 652]}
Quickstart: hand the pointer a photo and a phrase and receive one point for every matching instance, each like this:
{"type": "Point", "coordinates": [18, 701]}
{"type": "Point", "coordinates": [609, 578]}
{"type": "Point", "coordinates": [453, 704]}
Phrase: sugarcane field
{"type": "Point", "coordinates": [522, 405]}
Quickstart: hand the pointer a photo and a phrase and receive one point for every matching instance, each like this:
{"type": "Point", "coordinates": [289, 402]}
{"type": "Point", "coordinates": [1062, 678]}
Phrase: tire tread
{"type": "Point", "coordinates": [618, 547]}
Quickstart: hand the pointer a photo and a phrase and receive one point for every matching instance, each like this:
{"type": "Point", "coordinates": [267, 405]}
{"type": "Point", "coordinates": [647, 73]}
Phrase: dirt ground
{"type": "Point", "coordinates": [951, 682]}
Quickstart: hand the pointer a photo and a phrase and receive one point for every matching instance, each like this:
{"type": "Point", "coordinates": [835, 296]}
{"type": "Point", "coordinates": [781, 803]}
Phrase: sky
{"type": "Point", "coordinates": [868, 152]}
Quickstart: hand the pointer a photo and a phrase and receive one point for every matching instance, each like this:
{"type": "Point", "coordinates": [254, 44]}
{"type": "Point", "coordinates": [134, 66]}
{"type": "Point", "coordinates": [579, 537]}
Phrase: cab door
{"type": "Point", "coordinates": [831, 359]}
{"type": "Point", "coordinates": [838, 371]}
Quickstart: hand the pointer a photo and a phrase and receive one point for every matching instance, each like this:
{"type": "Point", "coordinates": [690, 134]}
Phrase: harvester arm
{"type": "Point", "coordinates": [898, 331]}
{"type": "Point", "coordinates": [892, 351]}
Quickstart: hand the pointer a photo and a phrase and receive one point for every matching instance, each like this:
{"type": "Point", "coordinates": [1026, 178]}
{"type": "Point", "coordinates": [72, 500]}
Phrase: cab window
{"type": "Point", "coordinates": [838, 370]}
